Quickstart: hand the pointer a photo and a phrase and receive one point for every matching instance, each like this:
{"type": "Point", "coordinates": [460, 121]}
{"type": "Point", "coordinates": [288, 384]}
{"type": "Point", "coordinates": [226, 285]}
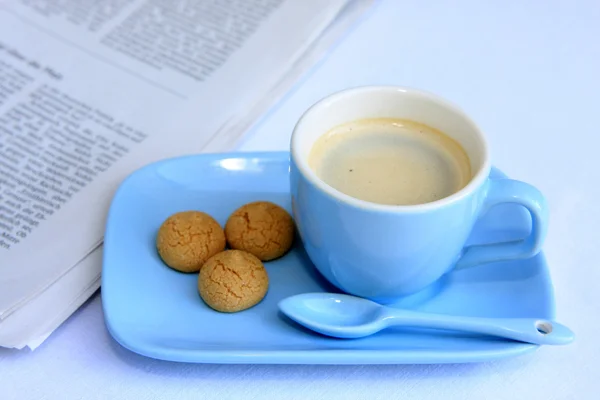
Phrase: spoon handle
{"type": "Point", "coordinates": [531, 330]}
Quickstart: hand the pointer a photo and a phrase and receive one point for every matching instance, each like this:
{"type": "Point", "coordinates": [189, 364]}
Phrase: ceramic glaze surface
{"type": "Point", "coordinates": [157, 312]}
{"type": "Point", "coordinates": [384, 252]}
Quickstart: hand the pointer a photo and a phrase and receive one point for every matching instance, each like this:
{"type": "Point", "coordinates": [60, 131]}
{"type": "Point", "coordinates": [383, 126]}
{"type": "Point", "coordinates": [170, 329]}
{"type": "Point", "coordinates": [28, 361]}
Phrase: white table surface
{"type": "Point", "coordinates": [528, 73]}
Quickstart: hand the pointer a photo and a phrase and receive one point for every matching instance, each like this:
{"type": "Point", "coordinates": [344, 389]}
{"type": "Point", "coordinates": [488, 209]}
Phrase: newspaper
{"type": "Point", "coordinates": [92, 90]}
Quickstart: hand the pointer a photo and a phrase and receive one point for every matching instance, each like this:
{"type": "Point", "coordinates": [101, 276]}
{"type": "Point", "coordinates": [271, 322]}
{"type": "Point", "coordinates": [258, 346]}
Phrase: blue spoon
{"type": "Point", "coordinates": [347, 317]}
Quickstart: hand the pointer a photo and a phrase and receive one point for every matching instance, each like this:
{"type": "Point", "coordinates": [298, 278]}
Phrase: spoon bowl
{"type": "Point", "coordinates": [344, 316]}
{"type": "Point", "coordinates": [334, 315]}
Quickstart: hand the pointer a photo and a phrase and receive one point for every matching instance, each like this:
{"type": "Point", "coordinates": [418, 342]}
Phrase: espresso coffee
{"type": "Point", "coordinates": [390, 161]}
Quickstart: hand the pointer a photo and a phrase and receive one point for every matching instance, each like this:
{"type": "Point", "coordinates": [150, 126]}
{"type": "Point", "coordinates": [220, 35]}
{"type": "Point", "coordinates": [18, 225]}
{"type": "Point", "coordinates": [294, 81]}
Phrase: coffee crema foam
{"type": "Point", "coordinates": [390, 161]}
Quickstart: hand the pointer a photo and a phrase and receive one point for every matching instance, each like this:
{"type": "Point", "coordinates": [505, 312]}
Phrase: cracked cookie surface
{"type": "Point", "coordinates": [232, 281]}
{"type": "Point", "coordinates": [261, 228]}
{"type": "Point", "coordinates": [187, 239]}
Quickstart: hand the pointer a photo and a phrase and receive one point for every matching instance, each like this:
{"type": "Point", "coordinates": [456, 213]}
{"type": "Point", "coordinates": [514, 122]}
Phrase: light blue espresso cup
{"type": "Point", "coordinates": [384, 252]}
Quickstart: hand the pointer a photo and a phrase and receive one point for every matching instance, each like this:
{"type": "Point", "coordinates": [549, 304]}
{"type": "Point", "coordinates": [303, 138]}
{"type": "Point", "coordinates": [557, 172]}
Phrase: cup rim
{"type": "Point", "coordinates": [302, 162]}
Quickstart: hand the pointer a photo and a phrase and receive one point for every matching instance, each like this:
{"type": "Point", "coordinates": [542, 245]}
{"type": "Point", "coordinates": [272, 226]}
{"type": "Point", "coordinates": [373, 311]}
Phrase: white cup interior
{"type": "Point", "coordinates": [389, 102]}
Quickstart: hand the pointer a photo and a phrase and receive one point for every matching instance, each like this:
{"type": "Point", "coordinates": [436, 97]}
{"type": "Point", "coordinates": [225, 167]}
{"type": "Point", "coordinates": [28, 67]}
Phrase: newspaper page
{"type": "Point", "coordinates": [91, 90]}
{"type": "Point", "coordinates": [62, 298]}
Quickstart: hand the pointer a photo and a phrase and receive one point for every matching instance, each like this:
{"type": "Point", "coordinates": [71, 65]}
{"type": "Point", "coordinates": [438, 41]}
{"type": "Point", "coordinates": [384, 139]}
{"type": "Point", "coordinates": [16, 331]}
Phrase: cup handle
{"type": "Point", "coordinates": [510, 191]}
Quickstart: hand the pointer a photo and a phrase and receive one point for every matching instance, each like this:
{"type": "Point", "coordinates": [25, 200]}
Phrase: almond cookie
{"type": "Point", "coordinates": [261, 228]}
{"type": "Point", "coordinates": [232, 281]}
{"type": "Point", "coordinates": [187, 239]}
